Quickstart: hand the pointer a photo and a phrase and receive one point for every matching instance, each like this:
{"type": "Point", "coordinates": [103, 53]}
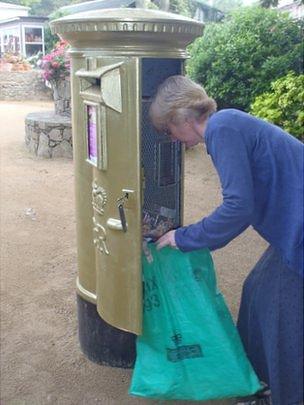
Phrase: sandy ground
{"type": "Point", "coordinates": [41, 362]}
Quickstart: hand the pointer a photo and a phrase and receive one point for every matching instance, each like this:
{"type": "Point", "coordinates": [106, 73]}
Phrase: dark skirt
{"type": "Point", "coordinates": [271, 327]}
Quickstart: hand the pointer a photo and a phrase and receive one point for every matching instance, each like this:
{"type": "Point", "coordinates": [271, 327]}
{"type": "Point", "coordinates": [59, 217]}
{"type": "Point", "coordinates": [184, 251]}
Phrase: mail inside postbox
{"type": "Point", "coordinates": [161, 158]}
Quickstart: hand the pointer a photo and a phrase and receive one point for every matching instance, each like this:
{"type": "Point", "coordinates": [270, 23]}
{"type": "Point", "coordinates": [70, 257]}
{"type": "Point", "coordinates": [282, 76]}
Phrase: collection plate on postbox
{"type": "Point", "coordinates": [100, 88]}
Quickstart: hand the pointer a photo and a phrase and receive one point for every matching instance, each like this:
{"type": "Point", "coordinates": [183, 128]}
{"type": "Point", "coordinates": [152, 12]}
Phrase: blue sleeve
{"type": "Point", "coordinates": [229, 153]}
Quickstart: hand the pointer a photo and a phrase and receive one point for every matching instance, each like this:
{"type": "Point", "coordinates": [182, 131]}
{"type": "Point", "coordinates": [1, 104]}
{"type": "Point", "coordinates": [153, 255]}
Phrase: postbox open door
{"type": "Point", "coordinates": [111, 108]}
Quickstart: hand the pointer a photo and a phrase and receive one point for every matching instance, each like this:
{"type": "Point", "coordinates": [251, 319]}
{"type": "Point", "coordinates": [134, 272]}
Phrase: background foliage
{"type": "Point", "coordinates": [50, 9]}
{"type": "Point", "coordinates": [225, 5]}
{"type": "Point", "coordinates": [274, 3]}
{"type": "Point", "coordinates": [283, 105]}
{"type": "Point", "coordinates": [237, 59]}
{"type": "Point", "coordinates": [43, 7]}
{"type": "Point", "coordinates": [49, 38]}
{"type": "Point", "coordinates": [184, 7]}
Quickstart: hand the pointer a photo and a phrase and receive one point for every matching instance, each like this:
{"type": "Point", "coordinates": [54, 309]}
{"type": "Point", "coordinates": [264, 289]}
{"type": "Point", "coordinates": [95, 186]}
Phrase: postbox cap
{"type": "Point", "coordinates": [127, 26]}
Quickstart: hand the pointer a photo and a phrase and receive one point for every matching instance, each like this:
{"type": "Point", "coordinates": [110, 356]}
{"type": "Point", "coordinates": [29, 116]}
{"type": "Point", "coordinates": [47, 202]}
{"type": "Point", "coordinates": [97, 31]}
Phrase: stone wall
{"type": "Point", "coordinates": [62, 97]}
{"type": "Point", "coordinates": [48, 135]}
{"type": "Point", "coordinates": [24, 86]}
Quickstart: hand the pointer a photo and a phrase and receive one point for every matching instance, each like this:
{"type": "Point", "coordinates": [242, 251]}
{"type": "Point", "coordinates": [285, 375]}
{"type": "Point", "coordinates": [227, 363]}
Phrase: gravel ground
{"type": "Point", "coordinates": [41, 362]}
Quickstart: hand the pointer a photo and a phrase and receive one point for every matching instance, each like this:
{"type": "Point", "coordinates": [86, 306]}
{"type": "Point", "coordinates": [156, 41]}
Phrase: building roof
{"type": "Point", "coordinates": [28, 19]}
{"type": "Point", "coordinates": [105, 4]}
{"type": "Point", "coordinates": [206, 7]}
{"type": "Point", "coordinates": [203, 5]}
{"type": "Point", "coordinates": [95, 5]}
{"type": "Point", "coordinates": [14, 6]}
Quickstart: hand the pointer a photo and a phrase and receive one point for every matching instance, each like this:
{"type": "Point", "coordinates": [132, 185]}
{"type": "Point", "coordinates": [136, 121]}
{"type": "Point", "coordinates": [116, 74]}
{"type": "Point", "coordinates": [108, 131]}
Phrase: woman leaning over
{"type": "Point", "coordinates": [261, 173]}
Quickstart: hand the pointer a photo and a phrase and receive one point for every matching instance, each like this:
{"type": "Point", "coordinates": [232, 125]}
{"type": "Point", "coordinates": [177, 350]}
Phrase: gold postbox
{"type": "Point", "coordinates": [127, 177]}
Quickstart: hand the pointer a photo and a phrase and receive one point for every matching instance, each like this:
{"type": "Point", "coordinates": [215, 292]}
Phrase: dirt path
{"type": "Point", "coordinates": [41, 362]}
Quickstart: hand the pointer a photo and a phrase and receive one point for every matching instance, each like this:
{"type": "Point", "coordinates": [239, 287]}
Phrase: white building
{"type": "Point", "coordinates": [19, 32]}
{"type": "Point", "coordinates": [8, 10]}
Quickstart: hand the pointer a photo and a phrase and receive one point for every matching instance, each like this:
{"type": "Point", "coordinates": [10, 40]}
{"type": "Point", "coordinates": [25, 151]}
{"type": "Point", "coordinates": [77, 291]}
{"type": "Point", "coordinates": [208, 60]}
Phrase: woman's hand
{"type": "Point", "coordinates": [168, 239]}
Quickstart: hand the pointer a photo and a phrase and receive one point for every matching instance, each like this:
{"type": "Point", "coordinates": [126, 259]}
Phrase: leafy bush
{"type": "Point", "coordinates": [236, 60]}
{"type": "Point", "coordinates": [35, 60]}
{"type": "Point", "coordinates": [50, 39]}
{"type": "Point", "coordinates": [283, 106]}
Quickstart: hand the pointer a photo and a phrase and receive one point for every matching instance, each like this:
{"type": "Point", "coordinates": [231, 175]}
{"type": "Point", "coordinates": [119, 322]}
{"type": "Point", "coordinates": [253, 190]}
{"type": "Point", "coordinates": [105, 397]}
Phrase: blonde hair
{"type": "Point", "coordinates": [177, 99]}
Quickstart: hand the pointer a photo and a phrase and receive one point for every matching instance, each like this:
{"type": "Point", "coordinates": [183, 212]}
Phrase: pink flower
{"type": "Point", "coordinates": [47, 57]}
{"type": "Point", "coordinates": [55, 65]}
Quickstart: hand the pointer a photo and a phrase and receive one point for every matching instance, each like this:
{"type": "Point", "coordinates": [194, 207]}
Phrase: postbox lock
{"type": "Point", "coordinates": [128, 197]}
{"type": "Point", "coordinates": [124, 198]}
{"type": "Point", "coordinates": [121, 210]}
{"type": "Point", "coordinates": [120, 204]}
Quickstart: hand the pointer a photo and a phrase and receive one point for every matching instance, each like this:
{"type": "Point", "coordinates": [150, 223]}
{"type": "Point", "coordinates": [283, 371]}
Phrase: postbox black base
{"type": "Point", "coordinates": [101, 342]}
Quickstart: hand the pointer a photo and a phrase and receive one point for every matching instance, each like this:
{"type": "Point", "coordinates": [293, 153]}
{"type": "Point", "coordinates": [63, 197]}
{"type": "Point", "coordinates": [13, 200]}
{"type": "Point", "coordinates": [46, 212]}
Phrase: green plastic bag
{"type": "Point", "coordinates": [190, 348]}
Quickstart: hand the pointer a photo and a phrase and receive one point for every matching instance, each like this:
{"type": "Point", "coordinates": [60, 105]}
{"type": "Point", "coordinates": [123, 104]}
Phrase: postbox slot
{"type": "Point", "coordinates": [102, 84]}
{"type": "Point", "coordinates": [90, 89]}
{"type": "Point", "coordinates": [100, 90]}
{"type": "Point", "coordinates": [89, 82]}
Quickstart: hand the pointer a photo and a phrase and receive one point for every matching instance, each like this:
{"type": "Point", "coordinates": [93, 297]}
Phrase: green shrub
{"type": "Point", "coordinates": [50, 39]}
{"type": "Point", "coordinates": [283, 106]}
{"type": "Point", "coordinates": [237, 59]}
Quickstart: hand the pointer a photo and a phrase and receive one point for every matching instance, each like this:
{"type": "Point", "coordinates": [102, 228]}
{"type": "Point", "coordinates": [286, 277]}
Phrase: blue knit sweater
{"type": "Point", "coordinates": [261, 172]}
